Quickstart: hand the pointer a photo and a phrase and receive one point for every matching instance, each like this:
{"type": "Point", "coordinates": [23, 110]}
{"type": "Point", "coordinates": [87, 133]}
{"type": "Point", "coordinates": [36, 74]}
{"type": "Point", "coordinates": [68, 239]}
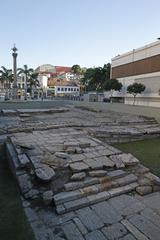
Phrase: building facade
{"type": "Point", "coordinates": [140, 65]}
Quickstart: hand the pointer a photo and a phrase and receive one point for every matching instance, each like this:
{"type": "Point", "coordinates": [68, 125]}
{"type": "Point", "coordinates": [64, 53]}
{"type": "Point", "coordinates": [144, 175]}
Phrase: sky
{"type": "Point", "coordinates": [68, 32]}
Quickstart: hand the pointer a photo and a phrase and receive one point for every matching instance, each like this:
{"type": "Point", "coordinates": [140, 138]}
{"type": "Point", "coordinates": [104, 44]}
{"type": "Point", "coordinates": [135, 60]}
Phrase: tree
{"type": "Point", "coordinates": [94, 78]}
{"type": "Point", "coordinates": [76, 69]}
{"type": "Point", "coordinates": [33, 82]}
{"type": "Point", "coordinates": [134, 89]}
{"type": "Point", "coordinates": [112, 85]}
{"type": "Point", "coordinates": [6, 78]}
{"type": "Point", "coordinates": [27, 72]}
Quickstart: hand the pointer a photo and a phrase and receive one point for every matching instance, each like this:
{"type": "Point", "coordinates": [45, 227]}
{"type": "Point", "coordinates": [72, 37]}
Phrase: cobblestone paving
{"type": "Point", "coordinates": [75, 186]}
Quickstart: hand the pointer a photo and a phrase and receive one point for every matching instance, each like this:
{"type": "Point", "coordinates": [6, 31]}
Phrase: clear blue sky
{"type": "Point", "coordinates": [67, 32]}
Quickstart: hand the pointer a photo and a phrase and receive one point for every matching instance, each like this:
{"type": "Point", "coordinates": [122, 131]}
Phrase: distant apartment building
{"type": "Point", "coordinates": [58, 80]}
{"type": "Point", "coordinates": [140, 65]}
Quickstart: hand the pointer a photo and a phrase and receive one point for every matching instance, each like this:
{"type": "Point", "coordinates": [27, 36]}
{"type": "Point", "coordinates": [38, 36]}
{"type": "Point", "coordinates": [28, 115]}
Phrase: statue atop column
{"type": "Point", "coordinates": [14, 54]}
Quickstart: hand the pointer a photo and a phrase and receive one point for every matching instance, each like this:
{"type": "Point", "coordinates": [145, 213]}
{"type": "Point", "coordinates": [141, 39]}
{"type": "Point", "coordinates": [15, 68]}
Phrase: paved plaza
{"type": "Point", "coordinates": [74, 184]}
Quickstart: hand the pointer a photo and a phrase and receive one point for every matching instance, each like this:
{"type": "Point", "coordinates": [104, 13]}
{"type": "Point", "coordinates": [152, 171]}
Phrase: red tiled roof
{"type": "Point", "coordinates": [61, 69]}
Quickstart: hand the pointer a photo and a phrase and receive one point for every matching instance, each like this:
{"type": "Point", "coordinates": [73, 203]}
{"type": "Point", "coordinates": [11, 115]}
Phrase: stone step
{"type": "Point", "coordinates": [94, 198]}
{"type": "Point", "coordinates": [110, 175]}
{"type": "Point", "coordinates": [101, 184]}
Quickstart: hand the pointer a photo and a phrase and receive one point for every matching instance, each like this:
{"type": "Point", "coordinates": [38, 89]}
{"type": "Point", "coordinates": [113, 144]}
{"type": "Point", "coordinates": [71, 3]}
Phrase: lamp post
{"type": "Point", "coordinates": [14, 54]}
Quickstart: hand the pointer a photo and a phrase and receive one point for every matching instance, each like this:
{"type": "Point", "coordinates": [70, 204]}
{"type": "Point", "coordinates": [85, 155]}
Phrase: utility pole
{"type": "Point", "coordinates": [14, 54]}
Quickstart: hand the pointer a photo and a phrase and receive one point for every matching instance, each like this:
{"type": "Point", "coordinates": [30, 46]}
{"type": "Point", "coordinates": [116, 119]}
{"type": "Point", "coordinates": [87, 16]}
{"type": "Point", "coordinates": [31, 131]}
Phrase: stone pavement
{"type": "Point", "coordinates": [75, 186]}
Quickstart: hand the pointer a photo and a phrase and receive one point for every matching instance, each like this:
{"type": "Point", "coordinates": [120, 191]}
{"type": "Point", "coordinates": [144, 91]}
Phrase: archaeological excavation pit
{"type": "Point", "coordinates": [70, 181]}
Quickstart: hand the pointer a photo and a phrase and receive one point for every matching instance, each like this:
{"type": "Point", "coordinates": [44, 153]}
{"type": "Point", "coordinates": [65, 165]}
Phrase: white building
{"type": "Point", "coordinates": [66, 89]}
{"type": "Point", "coordinates": [140, 65]}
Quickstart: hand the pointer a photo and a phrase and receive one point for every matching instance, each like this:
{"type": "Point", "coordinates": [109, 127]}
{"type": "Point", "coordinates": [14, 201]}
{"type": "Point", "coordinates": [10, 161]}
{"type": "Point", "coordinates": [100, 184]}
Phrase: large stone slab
{"type": "Point", "coordinates": [98, 197]}
{"type": "Point", "coordinates": [126, 205]}
{"type": "Point", "coordinates": [114, 231]}
{"type": "Point", "coordinates": [44, 173]}
{"type": "Point", "coordinates": [24, 183]}
{"type": "Point", "coordinates": [106, 213]}
{"type": "Point", "coordinates": [66, 196]}
{"type": "Point", "coordinates": [80, 226]}
{"type": "Point", "coordinates": [131, 228]}
{"type": "Point", "coordinates": [145, 226]}
{"type": "Point", "coordinates": [95, 235]}
{"type": "Point", "coordinates": [76, 204]}
{"type": "Point", "coordinates": [78, 166]}
{"type": "Point", "coordinates": [128, 159]}
{"type": "Point", "coordinates": [90, 219]}
{"type": "Point", "coordinates": [71, 232]}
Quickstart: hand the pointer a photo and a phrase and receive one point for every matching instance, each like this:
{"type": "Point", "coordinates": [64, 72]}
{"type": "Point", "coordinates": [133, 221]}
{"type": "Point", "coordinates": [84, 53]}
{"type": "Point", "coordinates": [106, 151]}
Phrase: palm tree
{"type": "Point", "coordinates": [27, 72]}
{"type": "Point", "coordinates": [6, 78]}
{"type": "Point", "coordinates": [33, 82]}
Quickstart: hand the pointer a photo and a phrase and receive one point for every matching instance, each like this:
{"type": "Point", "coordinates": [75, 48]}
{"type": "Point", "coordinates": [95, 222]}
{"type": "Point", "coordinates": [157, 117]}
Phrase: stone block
{"type": "Point", "coordinates": [136, 233]}
{"type": "Point", "coordinates": [128, 159]}
{"type": "Point", "coordinates": [47, 197]}
{"type": "Point", "coordinates": [44, 173]}
{"type": "Point", "coordinates": [150, 230]}
{"type": "Point", "coordinates": [71, 150]}
{"type": "Point", "coordinates": [78, 176]}
{"type": "Point", "coordinates": [84, 144]}
{"type": "Point", "coordinates": [126, 205]}
{"type": "Point", "coordinates": [126, 180]}
{"type": "Point", "coordinates": [89, 190]}
{"type": "Point", "coordinates": [23, 159]}
{"type": "Point", "coordinates": [76, 204]}
{"type": "Point", "coordinates": [67, 145]}
{"type": "Point", "coordinates": [106, 213]}
{"type": "Point", "coordinates": [95, 235]}
{"type": "Point", "coordinates": [93, 163]}
{"type": "Point", "coordinates": [129, 237]}
{"type": "Point", "coordinates": [78, 166]}
{"type": "Point", "coordinates": [71, 232]}
{"type": "Point", "coordinates": [62, 155]}
{"type": "Point", "coordinates": [77, 157]}
{"type": "Point", "coordinates": [73, 185]}
{"type": "Point", "coordinates": [143, 190]}
{"type": "Point", "coordinates": [66, 196]}
{"type": "Point", "coordinates": [99, 197]}
{"type": "Point", "coordinates": [80, 226]}
{"type": "Point", "coordinates": [116, 174]}
{"type": "Point", "coordinates": [24, 183]}
{"type": "Point", "coordinates": [98, 173]}
{"type": "Point", "coordinates": [120, 190]}
{"type": "Point", "coordinates": [105, 161]}
{"type": "Point", "coordinates": [153, 178]}
{"type": "Point", "coordinates": [31, 194]}
{"type": "Point", "coordinates": [60, 209]}
{"type": "Point", "coordinates": [151, 216]}
{"type": "Point", "coordinates": [114, 231]}
{"type": "Point", "coordinates": [89, 218]}
{"type": "Point", "coordinates": [143, 181]}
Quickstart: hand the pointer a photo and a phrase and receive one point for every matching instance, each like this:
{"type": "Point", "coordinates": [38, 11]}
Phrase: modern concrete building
{"type": "Point", "coordinates": [140, 65]}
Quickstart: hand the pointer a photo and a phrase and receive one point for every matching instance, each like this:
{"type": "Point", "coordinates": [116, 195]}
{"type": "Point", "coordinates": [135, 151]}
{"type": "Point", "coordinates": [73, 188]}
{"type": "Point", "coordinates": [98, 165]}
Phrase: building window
{"type": "Point", "coordinates": [74, 89]}
{"type": "Point", "coordinates": [19, 85]}
{"type": "Point", "coordinates": [65, 89]}
{"type": "Point", "coordinates": [69, 89]}
{"type": "Point", "coordinates": [23, 85]}
{"type": "Point", "coordinates": [77, 89]}
{"type": "Point", "coordinates": [23, 78]}
{"type": "Point", "coordinates": [58, 89]}
{"type": "Point", "coordinates": [62, 89]}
